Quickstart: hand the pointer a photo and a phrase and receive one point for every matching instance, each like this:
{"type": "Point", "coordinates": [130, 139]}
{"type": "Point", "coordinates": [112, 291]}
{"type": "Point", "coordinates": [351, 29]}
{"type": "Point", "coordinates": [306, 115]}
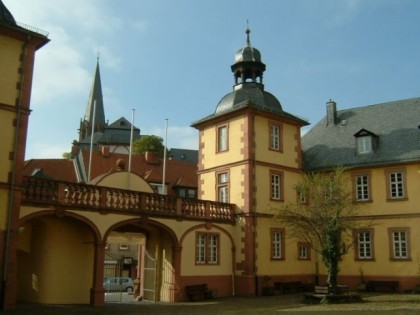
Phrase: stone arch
{"type": "Point", "coordinates": [56, 257]}
{"type": "Point", "coordinates": [160, 243]}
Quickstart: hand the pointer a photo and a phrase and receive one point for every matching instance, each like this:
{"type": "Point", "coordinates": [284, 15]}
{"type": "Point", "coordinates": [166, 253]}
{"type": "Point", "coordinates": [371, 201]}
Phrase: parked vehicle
{"type": "Point", "coordinates": [121, 284]}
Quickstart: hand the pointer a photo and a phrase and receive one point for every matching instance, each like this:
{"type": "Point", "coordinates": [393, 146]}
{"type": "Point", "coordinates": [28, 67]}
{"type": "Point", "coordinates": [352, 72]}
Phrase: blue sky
{"type": "Point", "coordinates": [171, 59]}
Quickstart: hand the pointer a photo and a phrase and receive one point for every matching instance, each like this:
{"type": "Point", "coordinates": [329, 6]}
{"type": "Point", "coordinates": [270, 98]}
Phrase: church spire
{"type": "Point", "coordinates": [95, 95]}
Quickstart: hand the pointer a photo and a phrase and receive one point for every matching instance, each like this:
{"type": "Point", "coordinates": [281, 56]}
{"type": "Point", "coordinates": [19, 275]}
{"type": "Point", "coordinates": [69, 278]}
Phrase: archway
{"type": "Point", "coordinates": [55, 259]}
{"type": "Point", "coordinates": [143, 250]}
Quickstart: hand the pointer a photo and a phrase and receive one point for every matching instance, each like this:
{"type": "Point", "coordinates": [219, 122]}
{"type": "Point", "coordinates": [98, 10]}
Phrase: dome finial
{"type": "Point", "coordinates": [248, 41]}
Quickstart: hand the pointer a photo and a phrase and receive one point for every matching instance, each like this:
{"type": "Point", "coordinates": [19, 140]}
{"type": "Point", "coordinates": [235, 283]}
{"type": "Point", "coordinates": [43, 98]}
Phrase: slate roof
{"type": "Point", "coordinates": [397, 125]}
{"type": "Point", "coordinates": [190, 156]}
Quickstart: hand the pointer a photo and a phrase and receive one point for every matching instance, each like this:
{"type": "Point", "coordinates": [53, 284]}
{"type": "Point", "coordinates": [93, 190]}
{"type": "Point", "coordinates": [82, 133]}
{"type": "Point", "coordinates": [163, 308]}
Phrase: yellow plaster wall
{"type": "Point", "coordinates": [9, 76]}
{"type": "Point", "coordinates": [380, 204]}
{"type": "Point", "coordinates": [290, 265]}
{"type": "Point", "coordinates": [289, 143]}
{"type": "Point", "coordinates": [212, 158]}
{"type": "Point", "coordinates": [263, 193]}
{"type": "Point", "coordinates": [56, 245]}
{"type": "Point", "coordinates": [124, 180]}
{"type": "Point", "coordinates": [189, 268]}
{"type": "Point", "coordinates": [382, 265]}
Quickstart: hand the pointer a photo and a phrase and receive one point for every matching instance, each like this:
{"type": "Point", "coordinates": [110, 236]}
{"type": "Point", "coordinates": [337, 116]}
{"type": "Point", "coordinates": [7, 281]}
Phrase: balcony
{"type": "Point", "coordinates": [83, 197]}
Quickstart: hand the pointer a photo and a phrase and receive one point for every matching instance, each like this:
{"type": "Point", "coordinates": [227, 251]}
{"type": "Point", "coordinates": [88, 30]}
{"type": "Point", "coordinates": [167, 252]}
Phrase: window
{"type": "Point", "coordinates": [186, 193]}
{"type": "Point", "coordinates": [399, 244]}
{"type": "Point", "coordinates": [366, 141]}
{"type": "Point", "coordinates": [277, 244]}
{"type": "Point", "coordinates": [301, 195]}
{"type": "Point", "coordinates": [304, 251]}
{"type": "Point", "coordinates": [223, 187]}
{"type": "Point", "coordinates": [364, 144]}
{"type": "Point", "coordinates": [396, 185]}
{"type": "Point", "coordinates": [207, 248]}
{"type": "Point", "coordinates": [222, 138]}
{"type": "Point", "coordinates": [276, 185]}
{"type": "Point", "coordinates": [362, 186]}
{"type": "Point", "coordinates": [123, 247]}
{"type": "Point", "coordinates": [275, 131]}
{"type": "Point", "coordinates": [364, 245]}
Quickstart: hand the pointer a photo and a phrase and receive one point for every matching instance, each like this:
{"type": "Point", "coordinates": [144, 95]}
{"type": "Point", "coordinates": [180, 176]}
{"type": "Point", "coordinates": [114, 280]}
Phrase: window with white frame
{"type": "Point", "coordinates": [304, 252]}
{"type": "Point", "coordinates": [362, 187]}
{"type": "Point", "coordinates": [277, 244]}
{"type": "Point", "coordinates": [222, 138]}
{"type": "Point", "coordinates": [396, 185]}
{"type": "Point", "coordinates": [400, 244]}
{"type": "Point", "coordinates": [276, 185]}
{"type": "Point", "coordinates": [364, 144]}
{"type": "Point", "coordinates": [275, 137]}
{"type": "Point", "coordinates": [207, 248]}
{"type": "Point", "coordinates": [364, 245]}
{"type": "Point", "coordinates": [223, 187]}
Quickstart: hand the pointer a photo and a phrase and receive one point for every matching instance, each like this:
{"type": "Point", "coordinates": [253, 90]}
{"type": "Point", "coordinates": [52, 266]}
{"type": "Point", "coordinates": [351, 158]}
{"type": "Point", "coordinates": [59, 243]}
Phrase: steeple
{"type": "Point", "coordinates": [95, 95]}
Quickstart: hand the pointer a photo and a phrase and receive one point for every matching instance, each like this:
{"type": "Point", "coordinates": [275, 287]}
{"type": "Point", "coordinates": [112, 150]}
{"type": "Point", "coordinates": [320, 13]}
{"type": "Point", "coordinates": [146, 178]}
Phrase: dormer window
{"type": "Point", "coordinates": [364, 144]}
{"type": "Point", "coordinates": [365, 141]}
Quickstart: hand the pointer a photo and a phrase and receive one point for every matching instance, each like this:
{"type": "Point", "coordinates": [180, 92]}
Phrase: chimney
{"type": "Point", "coordinates": [105, 151]}
{"type": "Point", "coordinates": [331, 112]}
{"type": "Point", "coordinates": [151, 157]}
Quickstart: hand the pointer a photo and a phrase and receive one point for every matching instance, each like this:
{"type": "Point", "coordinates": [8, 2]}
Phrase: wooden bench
{"type": "Point", "coordinates": [288, 286]}
{"type": "Point", "coordinates": [382, 285]}
{"type": "Point", "coordinates": [198, 292]}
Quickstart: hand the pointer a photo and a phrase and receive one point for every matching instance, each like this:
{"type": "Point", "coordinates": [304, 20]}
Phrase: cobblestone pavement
{"type": "Point", "coordinates": [280, 304]}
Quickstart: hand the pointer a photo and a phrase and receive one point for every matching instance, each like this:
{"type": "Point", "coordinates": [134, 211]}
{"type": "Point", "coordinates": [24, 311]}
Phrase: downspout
{"type": "Point", "coordinates": [13, 177]}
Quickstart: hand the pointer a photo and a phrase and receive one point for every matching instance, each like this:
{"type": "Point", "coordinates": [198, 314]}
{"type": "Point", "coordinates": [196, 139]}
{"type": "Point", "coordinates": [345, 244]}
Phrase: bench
{"type": "Point", "coordinates": [198, 292]}
{"type": "Point", "coordinates": [288, 286]}
{"type": "Point", "coordinates": [382, 285]}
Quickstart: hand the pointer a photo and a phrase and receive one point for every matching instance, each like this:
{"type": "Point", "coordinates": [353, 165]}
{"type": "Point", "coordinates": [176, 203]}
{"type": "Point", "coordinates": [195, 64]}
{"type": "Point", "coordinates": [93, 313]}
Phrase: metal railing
{"type": "Point", "coordinates": [85, 197]}
{"type": "Point", "coordinates": [33, 29]}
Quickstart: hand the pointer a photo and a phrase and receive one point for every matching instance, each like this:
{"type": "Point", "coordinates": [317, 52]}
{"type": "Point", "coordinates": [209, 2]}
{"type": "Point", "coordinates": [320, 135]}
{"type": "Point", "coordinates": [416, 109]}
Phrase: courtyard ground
{"type": "Point", "coordinates": [279, 304]}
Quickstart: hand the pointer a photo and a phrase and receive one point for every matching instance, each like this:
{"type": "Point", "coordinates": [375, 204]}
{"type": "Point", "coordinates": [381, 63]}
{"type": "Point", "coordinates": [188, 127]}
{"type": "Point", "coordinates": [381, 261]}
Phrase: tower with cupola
{"type": "Point", "coordinates": [250, 155]}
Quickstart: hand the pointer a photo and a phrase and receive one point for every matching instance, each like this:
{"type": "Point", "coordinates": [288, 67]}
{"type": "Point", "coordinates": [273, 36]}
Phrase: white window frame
{"type": "Point", "coordinates": [364, 144]}
{"type": "Point", "coordinates": [274, 137]}
{"type": "Point", "coordinates": [364, 245]}
{"type": "Point", "coordinates": [362, 187]}
{"type": "Point", "coordinates": [400, 245]}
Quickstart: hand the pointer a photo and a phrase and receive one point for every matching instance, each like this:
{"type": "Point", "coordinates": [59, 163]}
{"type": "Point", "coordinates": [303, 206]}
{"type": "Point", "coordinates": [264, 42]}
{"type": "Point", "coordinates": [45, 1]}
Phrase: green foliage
{"type": "Point", "coordinates": [148, 143]}
{"type": "Point", "coordinates": [66, 155]}
{"type": "Point", "coordinates": [325, 218]}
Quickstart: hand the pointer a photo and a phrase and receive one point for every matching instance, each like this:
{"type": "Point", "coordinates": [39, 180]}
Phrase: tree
{"type": "Point", "coordinates": [149, 143]}
{"type": "Point", "coordinates": [324, 216]}
{"type": "Point", "coordinates": [66, 155]}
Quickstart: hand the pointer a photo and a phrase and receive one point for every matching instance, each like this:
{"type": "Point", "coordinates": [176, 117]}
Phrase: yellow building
{"type": "Point", "coordinates": [58, 236]}
{"type": "Point", "coordinates": [17, 56]}
{"type": "Point", "coordinates": [250, 155]}
{"type": "Point", "coordinates": [380, 145]}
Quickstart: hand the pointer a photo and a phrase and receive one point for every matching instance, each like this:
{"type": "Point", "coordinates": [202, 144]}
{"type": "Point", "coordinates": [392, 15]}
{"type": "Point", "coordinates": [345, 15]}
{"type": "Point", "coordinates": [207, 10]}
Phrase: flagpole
{"type": "Point", "coordinates": [91, 140]}
{"type": "Point", "coordinates": [164, 158]}
{"type": "Point", "coordinates": [131, 140]}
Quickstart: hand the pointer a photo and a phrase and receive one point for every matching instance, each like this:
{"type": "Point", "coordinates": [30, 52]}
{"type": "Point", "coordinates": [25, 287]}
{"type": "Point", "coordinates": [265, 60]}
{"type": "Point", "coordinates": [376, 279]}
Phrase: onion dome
{"type": "Point", "coordinates": [248, 90]}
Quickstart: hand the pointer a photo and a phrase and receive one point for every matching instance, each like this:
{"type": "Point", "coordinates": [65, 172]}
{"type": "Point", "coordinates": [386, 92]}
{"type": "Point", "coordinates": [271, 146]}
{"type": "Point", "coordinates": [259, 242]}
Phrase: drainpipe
{"type": "Point", "coordinates": [9, 228]}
